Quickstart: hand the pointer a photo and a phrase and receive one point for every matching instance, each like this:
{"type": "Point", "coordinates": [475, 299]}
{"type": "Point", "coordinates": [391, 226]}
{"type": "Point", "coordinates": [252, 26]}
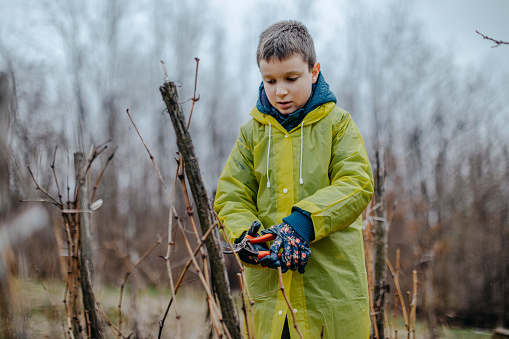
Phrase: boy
{"type": "Point", "coordinates": [300, 168]}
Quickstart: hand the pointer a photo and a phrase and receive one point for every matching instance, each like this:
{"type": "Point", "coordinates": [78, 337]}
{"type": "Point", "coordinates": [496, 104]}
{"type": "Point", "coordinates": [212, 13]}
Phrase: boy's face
{"type": "Point", "coordinates": [288, 82]}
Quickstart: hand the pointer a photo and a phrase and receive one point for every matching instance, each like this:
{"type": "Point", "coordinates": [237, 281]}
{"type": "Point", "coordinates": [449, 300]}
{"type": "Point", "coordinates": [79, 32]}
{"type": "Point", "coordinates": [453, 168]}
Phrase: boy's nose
{"type": "Point", "coordinates": [281, 91]}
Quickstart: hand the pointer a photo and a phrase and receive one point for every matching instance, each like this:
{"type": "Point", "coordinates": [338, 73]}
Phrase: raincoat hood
{"type": "Point", "coordinates": [320, 94]}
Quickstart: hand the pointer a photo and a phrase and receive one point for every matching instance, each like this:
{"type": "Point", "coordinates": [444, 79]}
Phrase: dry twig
{"type": "Point", "coordinates": [181, 278]}
{"type": "Point", "coordinates": [110, 157]}
{"type": "Point", "coordinates": [282, 288]}
{"type": "Point", "coordinates": [181, 176]}
{"type": "Point", "coordinates": [165, 72]}
{"type": "Point", "coordinates": [114, 329]}
{"type": "Point", "coordinates": [398, 289]}
{"type": "Point", "coordinates": [53, 305]}
{"type": "Point", "coordinates": [241, 268]}
{"type": "Point", "coordinates": [151, 158]}
{"type": "Point", "coordinates": [243, 282]}
{"type": "Point", "coordinates": [173, 214]}
{"type": "Point", "coordinates": [55, 175]}
{"type": "Point", "coordinates": [126, 276]}
{"type": "Point", "coordinates": [204, 211]}
{"type": "Point", "coordinates": [214, 309]}
{"type": "Point", "coordinates": [95, 153]}
{"type": "Point", "coordinates": [38, 187]}
{"type": "Point", "coordinates": [369, 240]}
{"type": "Point", "coordinates": [413, 305]}
{"type": "Point", "coordinates": [168, 262]}
{"type": "Point", "coordinates": [497, 42]}
{"type": "Point", "coordinates": [195, 99]}
{"type": "Point", "coordinates": [396, 296]}
{"type": "Point", "coordinates": [244, 309]}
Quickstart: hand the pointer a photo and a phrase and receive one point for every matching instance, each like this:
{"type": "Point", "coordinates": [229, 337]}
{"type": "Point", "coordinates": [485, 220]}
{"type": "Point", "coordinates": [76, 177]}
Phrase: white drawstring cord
{"type": "Point", "coordinates": [268, 155]}
{"type": "Point", "coordinates": [301, 143]}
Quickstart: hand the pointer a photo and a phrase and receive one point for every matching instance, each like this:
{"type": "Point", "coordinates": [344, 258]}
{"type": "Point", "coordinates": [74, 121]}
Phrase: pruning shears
{"type": "Point", "coordinates": [250, 239]}
{"type": "Point", "coordinates": [247, 245]}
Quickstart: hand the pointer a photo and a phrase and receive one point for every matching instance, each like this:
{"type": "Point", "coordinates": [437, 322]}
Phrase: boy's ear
{"type": "Point", "coordinates": [315, 72]}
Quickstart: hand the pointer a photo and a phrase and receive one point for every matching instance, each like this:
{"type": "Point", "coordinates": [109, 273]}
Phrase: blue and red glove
{"type": "Point", "coordinates": [293, 236]}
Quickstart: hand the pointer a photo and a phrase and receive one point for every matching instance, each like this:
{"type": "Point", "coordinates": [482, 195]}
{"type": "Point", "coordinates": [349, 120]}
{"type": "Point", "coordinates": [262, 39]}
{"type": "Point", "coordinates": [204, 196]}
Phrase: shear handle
{"type": "Point", "coordinates": [261, 239]}
{"type": "Point", "coordinates": [263, 254]}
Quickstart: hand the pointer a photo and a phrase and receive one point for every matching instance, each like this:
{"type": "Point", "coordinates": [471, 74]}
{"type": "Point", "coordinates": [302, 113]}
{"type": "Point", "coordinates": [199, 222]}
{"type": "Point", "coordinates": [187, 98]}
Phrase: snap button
{"type": "Point", "coordinates": [294, 310]}
{"type": "Point", "coordinates": [285, 190]}
{"type": "Point", "coordinates": [280, 312]}
{"type": "Point", "coordinates": [286, 135]}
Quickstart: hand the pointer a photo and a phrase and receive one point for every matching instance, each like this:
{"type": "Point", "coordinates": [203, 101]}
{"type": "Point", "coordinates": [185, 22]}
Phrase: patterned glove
{"type": "Point", "coordinates": [296, 250]}
{"type": "Point", "coordinates": [244, 255]}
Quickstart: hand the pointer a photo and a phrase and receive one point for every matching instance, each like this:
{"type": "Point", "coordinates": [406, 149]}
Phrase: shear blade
{"type": "Point", "coordinates": [228, 249]}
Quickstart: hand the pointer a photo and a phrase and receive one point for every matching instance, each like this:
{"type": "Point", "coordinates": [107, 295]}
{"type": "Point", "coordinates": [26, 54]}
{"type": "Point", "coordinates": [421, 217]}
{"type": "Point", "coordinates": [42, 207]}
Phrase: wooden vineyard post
{"type": "Point", "coordinates": [85, 248]}
{"type": "Point", "coordinates": [205, 214]}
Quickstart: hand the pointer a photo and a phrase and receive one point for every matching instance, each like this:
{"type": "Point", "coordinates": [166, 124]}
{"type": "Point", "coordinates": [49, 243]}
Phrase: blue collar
{"type": "Point", "coordinates": [320, 94]}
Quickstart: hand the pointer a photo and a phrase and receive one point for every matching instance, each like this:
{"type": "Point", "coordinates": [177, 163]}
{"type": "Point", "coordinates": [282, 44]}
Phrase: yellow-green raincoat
{"type": "Point", "coordinates": [320, 166]}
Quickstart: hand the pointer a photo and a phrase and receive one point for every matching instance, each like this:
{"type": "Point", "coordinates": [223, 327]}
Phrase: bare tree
{"type": "Point", "coordinates": [5, 117]}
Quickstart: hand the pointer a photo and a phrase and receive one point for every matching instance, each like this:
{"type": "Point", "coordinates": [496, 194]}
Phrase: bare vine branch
{"type": "Point", "coordinates": [497, 42]}
{"type": "Point", "coordinates": [53, 305]}
{"type": "Point", "coordinates": [173, 214]}
{"type": "Point", "coordinates": [242, 273]}
{"type": "Point", "coordinates": [184, 271]}
{"type": "Point", "coordinates": [400, 295]}
{"type": "Point", "coordinates": [195, 99]}
{"type": "Point", "coordinates": [171, 243]}
{"type": "Point", "coordinates": [244, 308]}
{"type": "Point", "coordinates": [282, 288]}
{"type": "Point", "coordinates": [95, 153]}
{"type": "Point", "coordinates": [55, 176]}
{"type": "Point", "coordinates": [195, 179]}
{"type": "Point", "coordinates": [128, 273]}
{"type": "Point", "coordinates": [114, 329]}
{"type": "Point", "coordinates": [165, 72]}
{"type": "Point", "coordinates": [213, 306]}
{"type": "Point", "coordinates": [110, 157]}
{"type": "Point", "coordinates": [38, 187]}
{"type": "Point", "coordinates": [151, 158]}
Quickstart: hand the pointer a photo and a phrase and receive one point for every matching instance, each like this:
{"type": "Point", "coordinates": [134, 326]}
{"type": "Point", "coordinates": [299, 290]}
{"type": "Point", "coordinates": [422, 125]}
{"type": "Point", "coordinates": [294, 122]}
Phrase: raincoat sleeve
{"type": "Point", "coordinates": [337, 206]}
{"type": "Point", "coordinates": [237, 189]}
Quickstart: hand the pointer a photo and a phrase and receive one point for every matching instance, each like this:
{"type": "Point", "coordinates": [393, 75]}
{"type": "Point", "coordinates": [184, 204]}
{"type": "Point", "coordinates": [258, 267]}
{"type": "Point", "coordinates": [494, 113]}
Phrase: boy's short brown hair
{"type": "Point", "coordinates": [284, 39]}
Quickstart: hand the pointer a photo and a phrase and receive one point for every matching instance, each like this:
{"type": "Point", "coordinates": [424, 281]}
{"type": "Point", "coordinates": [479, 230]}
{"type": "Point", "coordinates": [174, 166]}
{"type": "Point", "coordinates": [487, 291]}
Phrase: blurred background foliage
{"type": "Point", "coordinates": [75, 67]}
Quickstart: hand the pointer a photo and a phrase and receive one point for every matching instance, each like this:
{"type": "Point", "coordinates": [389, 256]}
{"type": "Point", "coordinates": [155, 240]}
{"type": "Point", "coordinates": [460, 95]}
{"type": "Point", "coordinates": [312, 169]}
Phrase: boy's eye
{"type": "Point", "coordinates": [270, 81]}
{"type": "Point", "coordinates": [292, 78]}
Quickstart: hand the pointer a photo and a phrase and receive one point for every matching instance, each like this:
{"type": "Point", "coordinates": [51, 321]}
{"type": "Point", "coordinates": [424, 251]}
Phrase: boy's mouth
{"type": "Point", "coordinates": [284, 104]}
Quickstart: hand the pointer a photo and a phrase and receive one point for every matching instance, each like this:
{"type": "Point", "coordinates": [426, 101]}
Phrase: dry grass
{"type": "Point", "coordinates": [38, 316]}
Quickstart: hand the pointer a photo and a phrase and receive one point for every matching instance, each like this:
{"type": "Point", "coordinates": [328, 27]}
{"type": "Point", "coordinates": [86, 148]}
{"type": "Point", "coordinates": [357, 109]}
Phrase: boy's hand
{"type": "Point", "coordinates": [246, 256]}
{"type": "Point", "coordinates": [296, 250]}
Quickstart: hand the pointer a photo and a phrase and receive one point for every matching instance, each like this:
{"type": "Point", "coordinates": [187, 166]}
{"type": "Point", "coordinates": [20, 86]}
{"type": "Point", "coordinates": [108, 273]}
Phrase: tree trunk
{"type": "Point", "coordinates": [380, 245]}
{"type": "Point", "coordinates": [5, 117]}
{"type": "Point", "coordinates": [428, 300]}
{"type": "Point", "coordinates": [5, 295]}
{"type": "Point", "coordinates": [217, 266]}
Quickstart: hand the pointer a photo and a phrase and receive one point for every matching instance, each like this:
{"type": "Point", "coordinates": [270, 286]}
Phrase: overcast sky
{"type": "Point", "coordinates": [450, 23]}
{"type": "Point", "coordinates": [453, 23]}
